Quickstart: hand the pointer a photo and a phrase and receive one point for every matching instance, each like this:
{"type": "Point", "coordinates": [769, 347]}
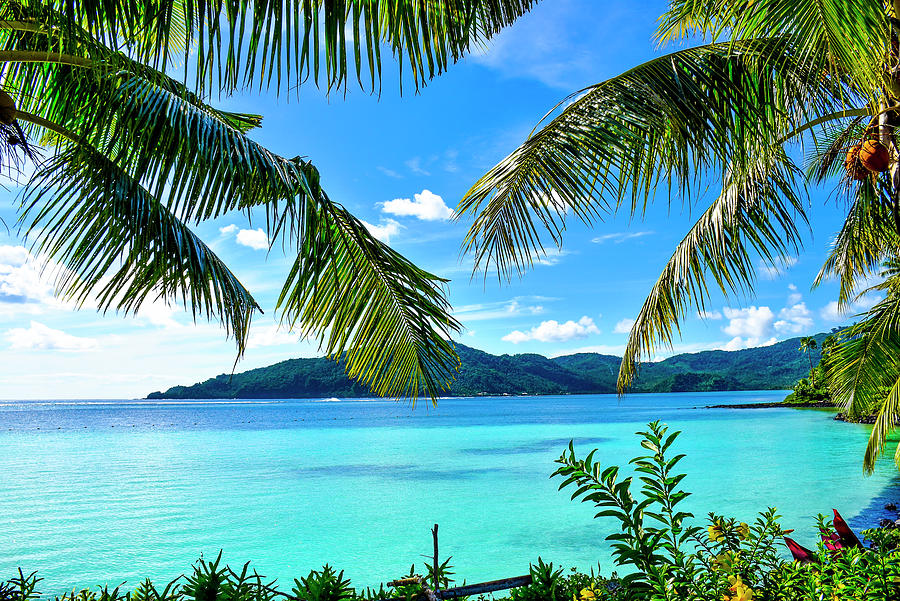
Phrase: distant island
{"type": "Point", "coordinates": [774, 367]}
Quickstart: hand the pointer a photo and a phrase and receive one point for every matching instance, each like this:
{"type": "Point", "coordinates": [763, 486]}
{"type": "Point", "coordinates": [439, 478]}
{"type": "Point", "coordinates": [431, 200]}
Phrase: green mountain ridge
{"type": "Point", "coordinates": [774, 367]}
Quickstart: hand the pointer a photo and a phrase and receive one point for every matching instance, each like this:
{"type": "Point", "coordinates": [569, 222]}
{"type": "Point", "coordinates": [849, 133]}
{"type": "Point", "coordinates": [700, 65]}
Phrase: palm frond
{"type": "Point", "coordinates": [118, 244]}
{"type": "Point", "coordinates": [368, 306]}
{"type": "Point", "coordinates": [664, 124]}
{"type": "Point", "coordinates": [852, 35]}
{"type": "Point", "coordinates": [754, 216]}
{"type": "Point", "coordinates": [868, 237]}
{"type": "Point", "coordinates": [276, 44]}
{"type": "Point", "coordinates": [864, 364]}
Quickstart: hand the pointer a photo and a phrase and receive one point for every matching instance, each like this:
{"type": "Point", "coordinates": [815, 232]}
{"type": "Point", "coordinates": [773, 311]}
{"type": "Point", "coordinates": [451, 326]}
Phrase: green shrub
{"type": "Point", "coordinates": [324, 585]}
{"type": "Point", "coordinates": [670, 559]}
{"type": "Point", "coordinates": [883, 539]}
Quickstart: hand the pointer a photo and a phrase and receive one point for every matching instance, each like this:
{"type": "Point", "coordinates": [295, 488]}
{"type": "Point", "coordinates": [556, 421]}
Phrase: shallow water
{"type": "Point", "coordinates": [112, 491]}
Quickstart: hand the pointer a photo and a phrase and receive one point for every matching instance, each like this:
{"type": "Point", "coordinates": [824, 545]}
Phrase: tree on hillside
{"type": "Point", "coordinates": [129, 155]}
{"type": "Point", "coordinates": [769, 81]}
{"type": "Point", "coordinates": [807, 345]}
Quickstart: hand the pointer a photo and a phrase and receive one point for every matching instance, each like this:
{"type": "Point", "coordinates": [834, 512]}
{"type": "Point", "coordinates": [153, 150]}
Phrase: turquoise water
{"type": "Point", "coordinates": [105, 492]}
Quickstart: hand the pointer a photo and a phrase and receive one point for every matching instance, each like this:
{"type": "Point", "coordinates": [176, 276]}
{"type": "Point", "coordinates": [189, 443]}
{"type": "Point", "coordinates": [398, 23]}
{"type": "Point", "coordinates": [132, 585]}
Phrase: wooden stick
{"type": "Point", "coordinates": [484, 587]}
{"type": "Point", "coordinates": [436, 565]}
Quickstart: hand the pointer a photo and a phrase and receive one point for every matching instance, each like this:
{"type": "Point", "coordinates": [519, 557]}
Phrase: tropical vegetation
{"type": "Point", "coordinates": [814, 388]}
{"type": "Point", "coordinates": [763, 99]}
{"type": "Point", "coordinates": [774, 367]}
{"type": "Point", "coordinates": [664, 554]}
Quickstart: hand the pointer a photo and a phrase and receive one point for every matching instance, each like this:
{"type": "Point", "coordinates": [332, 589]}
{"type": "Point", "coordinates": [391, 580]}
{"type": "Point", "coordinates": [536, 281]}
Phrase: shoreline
{"type": "Point", "coordinates": [780, 404]}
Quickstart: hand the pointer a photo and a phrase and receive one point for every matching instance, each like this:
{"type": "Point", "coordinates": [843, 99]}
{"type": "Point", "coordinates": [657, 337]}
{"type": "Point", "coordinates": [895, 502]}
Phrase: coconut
{"type": "Point", "coordinates": [7, 108]}
{"type": "Point", "coordinates": [855, 170]}
{"type": "Point", "coordinates": [874, 156]}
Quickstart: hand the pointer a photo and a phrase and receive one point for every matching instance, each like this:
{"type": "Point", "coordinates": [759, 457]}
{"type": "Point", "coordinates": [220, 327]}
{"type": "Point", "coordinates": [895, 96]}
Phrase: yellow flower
{"type": "Point", "coordinates": [716, 532]}
{"type": "Point", "coordinates": [743, 530]}
{"type": "Point", "coordinates": [738, 590]}
{"type": "Point", "coordinates": [725, 561]}
{"type": "Point", "coordinates": [587, 594]}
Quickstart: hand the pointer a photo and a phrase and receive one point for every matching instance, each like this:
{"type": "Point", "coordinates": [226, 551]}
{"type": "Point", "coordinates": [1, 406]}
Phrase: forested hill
{"type": "Point", "coordinates": [773, 367]}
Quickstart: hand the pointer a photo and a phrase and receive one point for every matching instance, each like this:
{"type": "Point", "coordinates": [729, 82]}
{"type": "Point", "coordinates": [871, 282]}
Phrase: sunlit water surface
{"type": "Point", "coordinates": [112, 491]}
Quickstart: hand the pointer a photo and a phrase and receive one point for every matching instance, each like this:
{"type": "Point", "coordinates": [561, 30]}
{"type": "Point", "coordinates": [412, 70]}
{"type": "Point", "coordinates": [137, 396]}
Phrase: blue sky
{"type": "Point", "coordinates": [401, 164]}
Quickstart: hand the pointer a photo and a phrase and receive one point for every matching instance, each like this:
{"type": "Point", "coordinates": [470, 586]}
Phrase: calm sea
{"type": "Point", "coordinates": [95, 492]}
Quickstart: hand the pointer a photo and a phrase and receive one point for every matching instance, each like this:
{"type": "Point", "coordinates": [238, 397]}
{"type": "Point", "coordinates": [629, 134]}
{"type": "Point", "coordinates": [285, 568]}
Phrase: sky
{"type": "Point", "coordinates": [401, 164]}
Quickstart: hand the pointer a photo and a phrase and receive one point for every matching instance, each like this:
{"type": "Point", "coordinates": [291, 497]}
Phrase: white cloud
{"type": "Point", "coordinates": [255, 239]}
{"type": "Point", "coordinates": [711, 315]}
{"type": "Point", "coordinates": [753, 326]}
{"type": "Point", "coordinates": [415, 165]}
{"type": "Point", "coordinates": [795, 319]}
{"type": "Point", "coordinates": [271, 335]}
{"type": "Point", "coordinates": [623, 326]}
{"type": "Point", "coordinates": [22, 289]}
{"type": "Point", "coordinates": [773, 270]}
{"type": "Point", "coordinates": [497, 310]}
{"type": "Point", "coordinates": [794, 297]}
{"type": "Point", "coordinates": [553, 331]}
{"type": "Point", "coordinates": [737, 343]}
{"type": "Point", "coordinates": [619, 237]}
{"type": "Point", "coordinates": [755, 322]}
{"type": "Point", "coordinates": [834, 313]}
{"type": "Point", "coordinates": [159, 313]}
{"type": "Point", "coordinates": [383, 231]}
{"type": "Point", "coordinates": [548, 257]}
{"type": "Point", "coordinates": [425, 205]}
{"type": "Point", "coordinates": [40, 337]}
{"type": "Point", "coordinates": [389, 172]}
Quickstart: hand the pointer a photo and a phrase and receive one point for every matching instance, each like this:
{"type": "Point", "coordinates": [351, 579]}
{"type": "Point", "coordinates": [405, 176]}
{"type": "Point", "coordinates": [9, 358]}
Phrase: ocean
{"type": "Point", "coordinates": [106, 492]}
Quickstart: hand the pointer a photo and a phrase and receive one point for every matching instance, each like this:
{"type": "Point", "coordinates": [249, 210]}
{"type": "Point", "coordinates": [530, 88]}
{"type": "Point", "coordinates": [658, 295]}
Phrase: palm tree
{"type": "Point", "coordinates": [807, 345]}
{"type": "Point", "coordinates": [770, 81]}
{"type": "Point", "coordinates": [128, 155]}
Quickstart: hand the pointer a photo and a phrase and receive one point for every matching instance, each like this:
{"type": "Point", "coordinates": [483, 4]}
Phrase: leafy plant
{"type": "Point", "coordinates": [883, 539]}
{"type": "Point", "coordinates": [545, 584]}
{"type": "Point", "coordinates": [323, 585]}
{"type": "Point", "coordinates": [440, 579]}
{"type": "Point", "coordinates": [668, 558]}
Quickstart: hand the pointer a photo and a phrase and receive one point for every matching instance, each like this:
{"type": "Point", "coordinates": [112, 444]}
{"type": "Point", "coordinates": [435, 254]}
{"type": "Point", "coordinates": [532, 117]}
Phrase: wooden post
{"type": "Point", "coordinates": [436, 565]}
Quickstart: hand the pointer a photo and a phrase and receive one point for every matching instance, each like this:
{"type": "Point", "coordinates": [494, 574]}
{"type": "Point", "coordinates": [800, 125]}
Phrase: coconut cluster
{"type": "Point", "coordinates": [870, 156]}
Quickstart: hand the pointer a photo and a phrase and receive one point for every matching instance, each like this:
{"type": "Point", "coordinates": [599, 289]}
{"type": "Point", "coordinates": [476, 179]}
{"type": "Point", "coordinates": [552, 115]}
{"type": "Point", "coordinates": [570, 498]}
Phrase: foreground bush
{"type": "Point", "coordinates": [669, 558]}
{"type": "Point", "coordinates": [664, 556]}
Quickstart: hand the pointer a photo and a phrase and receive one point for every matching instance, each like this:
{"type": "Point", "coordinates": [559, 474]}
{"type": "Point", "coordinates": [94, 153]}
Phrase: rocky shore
{"type": "Point", "coordinates": [780, 404]}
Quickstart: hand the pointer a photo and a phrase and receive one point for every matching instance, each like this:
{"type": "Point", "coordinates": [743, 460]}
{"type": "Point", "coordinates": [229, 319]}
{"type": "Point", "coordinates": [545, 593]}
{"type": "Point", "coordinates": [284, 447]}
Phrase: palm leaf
{"type": "Point", "coordinates": [253, 43]}
{"type": "Point", "coordinates": [665, 123]}
{"type": "Point", "coordinates": [868, 236]}
{"type": "Point", "coordinates": [117, 243]}
{"type": "Point", "coordinates": [851, 35]}
{"type": "Point", "coordinates": [755, 215]}
{"type": "Point", "coordinates": [368, 305]}
{"type": "Point", "coordinates": [864, 364]}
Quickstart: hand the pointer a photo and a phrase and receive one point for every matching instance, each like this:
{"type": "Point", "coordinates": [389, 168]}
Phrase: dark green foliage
{"type": "Point", "coordinates": [884, 539]}
{"type": "Point", "coordinates": [766, 368]}
{"type": "Point", "coordinates": [545, 584]}
{"type": "Point", "coordinates": [441, 578]}
{"type": "Point", "coordinates": [324, 585]}
{"type": "Point", "coordinates": [805, 392]}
